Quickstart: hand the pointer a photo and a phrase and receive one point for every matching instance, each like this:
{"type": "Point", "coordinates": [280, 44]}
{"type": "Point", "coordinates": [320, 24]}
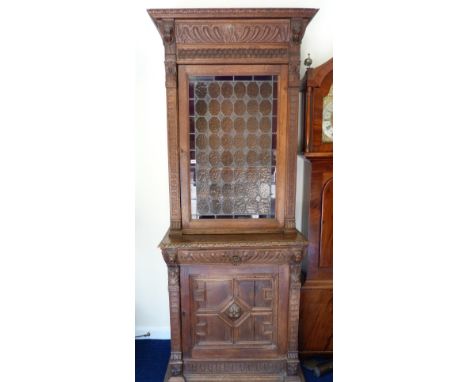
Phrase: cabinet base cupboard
{"type": "Point", "coordinates": [234, 304]}
{"type": "Point", "coordinates": [232, 250]}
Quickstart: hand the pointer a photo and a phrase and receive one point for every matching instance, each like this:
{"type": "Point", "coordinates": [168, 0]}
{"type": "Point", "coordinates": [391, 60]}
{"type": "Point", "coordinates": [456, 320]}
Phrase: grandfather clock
{"type": "Point", "coordinates": [316, 313]}
{"type": "Point", "coordinates": [232, 250]}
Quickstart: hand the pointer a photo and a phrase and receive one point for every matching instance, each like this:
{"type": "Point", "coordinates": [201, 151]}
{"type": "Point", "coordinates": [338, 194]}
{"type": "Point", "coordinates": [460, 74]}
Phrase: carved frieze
{"type": "Point", "coordinates": [267, 367]}
{"type": "Point", "coordinates": [215, 32]}
{"type": "Point", "coordinates": [184, 54]}
{"type": "Point", "coordinates": [240, 256]}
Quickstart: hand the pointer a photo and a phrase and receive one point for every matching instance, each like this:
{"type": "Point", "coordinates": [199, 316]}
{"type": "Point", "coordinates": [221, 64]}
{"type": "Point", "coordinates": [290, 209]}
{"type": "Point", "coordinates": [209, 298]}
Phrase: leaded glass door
{"type": "Point", "coordinates": [231, 122]}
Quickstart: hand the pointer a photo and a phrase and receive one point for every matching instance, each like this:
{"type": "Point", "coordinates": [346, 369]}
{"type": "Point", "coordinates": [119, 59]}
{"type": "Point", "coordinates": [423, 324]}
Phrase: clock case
{"type": "Point", "coordinates": [316, 85]}
{"type": "Point", "coordinates": [234, 284]}
{"type": "Point", "coordinates": [316, 312]}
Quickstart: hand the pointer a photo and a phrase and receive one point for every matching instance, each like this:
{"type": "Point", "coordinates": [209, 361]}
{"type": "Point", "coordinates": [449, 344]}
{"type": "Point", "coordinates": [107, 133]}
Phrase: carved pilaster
{"type": "Point", "coordinates": [291, 138]}
{"type": "Point", "coordinates": [175, 361]}
{"type": "Point", "coordinates": [293, 319]}
{"type": "Point", "coordinates": [166, 28]}
{"type": "Point", "coordinates": [297, 31]}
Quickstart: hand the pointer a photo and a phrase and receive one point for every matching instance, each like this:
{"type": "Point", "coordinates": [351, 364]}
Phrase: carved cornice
{"type": "Point", "coordinates": [215, 32]}
{"type": "Point", "coordinates": [209, 13]}
{"type": "Point", "coordinates": [184, 54]}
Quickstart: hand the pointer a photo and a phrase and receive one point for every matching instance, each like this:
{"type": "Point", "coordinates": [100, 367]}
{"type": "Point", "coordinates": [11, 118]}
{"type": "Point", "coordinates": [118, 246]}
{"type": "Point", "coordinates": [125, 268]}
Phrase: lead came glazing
{"type": "Point", "coordinates": [233, 147]}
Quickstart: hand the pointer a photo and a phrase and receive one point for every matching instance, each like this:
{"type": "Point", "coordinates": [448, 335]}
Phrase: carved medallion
{"type": "Point", "coordinates": [234, 311]}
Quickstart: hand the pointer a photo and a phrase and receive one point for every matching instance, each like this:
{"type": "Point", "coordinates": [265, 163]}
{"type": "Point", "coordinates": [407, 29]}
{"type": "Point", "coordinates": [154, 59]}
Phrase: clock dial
{"type": "Point", "coordinates": [327, 117]}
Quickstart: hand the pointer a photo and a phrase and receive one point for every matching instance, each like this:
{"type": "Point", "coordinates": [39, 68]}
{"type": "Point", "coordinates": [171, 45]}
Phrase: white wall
{"type": "Point", "coordinates": [152, 189]}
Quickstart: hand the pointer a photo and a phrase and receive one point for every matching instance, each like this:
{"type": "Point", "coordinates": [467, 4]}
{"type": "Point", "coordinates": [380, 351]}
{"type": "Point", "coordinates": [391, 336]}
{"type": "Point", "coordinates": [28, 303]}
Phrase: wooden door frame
{"type": "Point", "coordinates": [189, 225]}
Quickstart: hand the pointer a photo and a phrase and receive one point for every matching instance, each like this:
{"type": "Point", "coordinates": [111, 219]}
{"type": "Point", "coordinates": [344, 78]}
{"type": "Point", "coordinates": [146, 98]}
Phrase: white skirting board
{"type": "Point", "coordinates": [157, 332]}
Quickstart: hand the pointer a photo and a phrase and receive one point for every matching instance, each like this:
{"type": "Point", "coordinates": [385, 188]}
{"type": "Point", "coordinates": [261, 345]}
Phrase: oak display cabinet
{"type": "Point", "coordinates": [232, 250]}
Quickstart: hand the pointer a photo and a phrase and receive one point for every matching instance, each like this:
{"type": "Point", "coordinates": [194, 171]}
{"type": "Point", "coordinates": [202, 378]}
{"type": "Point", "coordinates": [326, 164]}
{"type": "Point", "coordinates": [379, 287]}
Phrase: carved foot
{"type": "Point", "coordinates": [294, 371]}
{"type": "Point", "coordinates": [172, 378]}
{"type": "Point", "coordinates": [293, 378]}
{"type": "Point", "coordinates": [176, 379]}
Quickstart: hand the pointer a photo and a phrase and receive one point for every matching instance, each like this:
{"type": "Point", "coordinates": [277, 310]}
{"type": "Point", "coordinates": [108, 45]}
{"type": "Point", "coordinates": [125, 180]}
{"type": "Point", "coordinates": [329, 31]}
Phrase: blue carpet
{"type": "Point", "coordinates": [152, 356]}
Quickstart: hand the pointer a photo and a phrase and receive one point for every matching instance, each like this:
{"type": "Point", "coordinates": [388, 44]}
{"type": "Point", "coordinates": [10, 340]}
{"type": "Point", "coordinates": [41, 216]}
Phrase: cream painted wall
{"type": "Point", "coordinates": [152, 189]}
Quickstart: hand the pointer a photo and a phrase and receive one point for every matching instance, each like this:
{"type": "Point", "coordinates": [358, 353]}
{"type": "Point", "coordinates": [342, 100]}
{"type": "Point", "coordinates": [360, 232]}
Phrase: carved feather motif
{"type": "Point", "coordinates": [231, 33]}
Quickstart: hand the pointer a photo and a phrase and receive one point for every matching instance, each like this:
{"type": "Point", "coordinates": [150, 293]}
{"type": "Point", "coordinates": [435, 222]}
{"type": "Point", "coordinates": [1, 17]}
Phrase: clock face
{"type": "Point", "coordinates": [327, 117]}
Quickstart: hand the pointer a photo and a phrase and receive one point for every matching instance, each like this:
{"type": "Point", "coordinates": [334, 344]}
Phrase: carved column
{"type": "Point", "coordinates": [166, 28]}
{"type": "Point", "coordinates": [297, 31]}
{"type": "Point", "coordinates": [293, 317]}
{"type": "Point", "coordinates": [175, 361]}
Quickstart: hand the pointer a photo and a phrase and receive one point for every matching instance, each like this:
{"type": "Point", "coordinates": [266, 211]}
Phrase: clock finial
{"type": "Point", "coordinates": [308, 61]}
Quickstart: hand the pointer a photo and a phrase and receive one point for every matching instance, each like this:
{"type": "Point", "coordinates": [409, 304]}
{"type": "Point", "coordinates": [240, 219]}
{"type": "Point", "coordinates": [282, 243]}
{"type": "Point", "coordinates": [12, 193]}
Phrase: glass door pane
{"type": "Point", "coordinates": [233, 128]}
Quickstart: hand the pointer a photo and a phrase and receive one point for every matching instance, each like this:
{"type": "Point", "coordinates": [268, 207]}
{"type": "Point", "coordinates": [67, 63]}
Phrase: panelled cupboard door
{"type": "Point", "coordinates": [233, 122]}
{"type": "Point", "coordinates": [234, 312]}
